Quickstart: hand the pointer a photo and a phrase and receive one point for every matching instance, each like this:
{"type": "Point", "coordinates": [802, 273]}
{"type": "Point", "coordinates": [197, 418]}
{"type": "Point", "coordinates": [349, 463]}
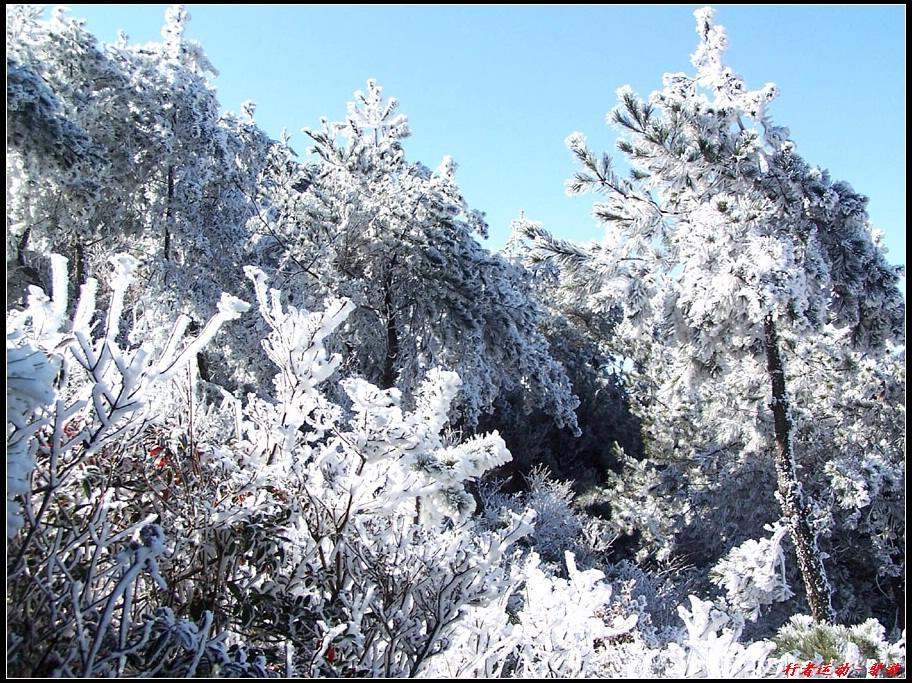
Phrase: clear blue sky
{"type": "Point", "coordinates": [499, 88]}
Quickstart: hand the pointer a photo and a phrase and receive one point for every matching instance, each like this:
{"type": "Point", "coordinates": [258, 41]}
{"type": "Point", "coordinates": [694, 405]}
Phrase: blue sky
{"type": "Point", "coordinates": [499, 88]}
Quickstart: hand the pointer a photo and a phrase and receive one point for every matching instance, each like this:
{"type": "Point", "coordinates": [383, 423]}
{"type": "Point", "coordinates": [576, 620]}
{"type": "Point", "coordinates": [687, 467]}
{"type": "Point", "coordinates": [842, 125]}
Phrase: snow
{"type": "Point", "coordinates": [412, 456]}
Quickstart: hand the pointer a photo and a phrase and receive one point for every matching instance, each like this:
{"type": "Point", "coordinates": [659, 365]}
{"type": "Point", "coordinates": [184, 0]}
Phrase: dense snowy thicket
{"type": "Point", "coordinates": [269, 416]}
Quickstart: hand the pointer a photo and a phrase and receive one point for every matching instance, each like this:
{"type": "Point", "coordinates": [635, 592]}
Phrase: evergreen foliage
{"type": "Point", "coordinates": [409, 456]}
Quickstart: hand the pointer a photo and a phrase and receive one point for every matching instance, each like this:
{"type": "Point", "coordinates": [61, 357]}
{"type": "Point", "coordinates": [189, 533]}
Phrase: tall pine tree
{"type": "Point", "coordinates": [399, 239]}
{"type": "Point", "coordinates": [726, 248]}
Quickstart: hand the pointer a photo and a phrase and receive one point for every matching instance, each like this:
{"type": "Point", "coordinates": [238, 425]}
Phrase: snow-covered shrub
{"type": "Point", "coordinates": [654, 595]}
{"type": "Point", "coordinates": [30, 375]}
{"type": "Point", "coordinates": [69, 429]}
{"type": "Point", "coordinates": [802, 639]}
{"type": "Point", "coordinates": [567, 626]}
{"type": "Point", "coordinates": [550, 627]}
{"type": "Point", "coordinates": [372, 504]}
{"type": "Point", "coordinates": [753, 574]}
{"type": "Point", "coordinates": [710, 648]}
{"type": "Point", "coordinates": [559, 527]}
{"type": "Point", "coordinates": [338, 538]}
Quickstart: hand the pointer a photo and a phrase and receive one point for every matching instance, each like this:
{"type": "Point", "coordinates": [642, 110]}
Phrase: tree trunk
{"type": "Point", "coordinates": [168, 212]}
{"type": "Point", "coordinates": [169, 208]}
{"type": "Point", "coordinates": [23, 244]}
{"type": "Point", "coordinates": [388, 376]}
{"type": "Point", "coordinates": [791, 499]}
{"type": "Point", "coordinates": [78, 265]}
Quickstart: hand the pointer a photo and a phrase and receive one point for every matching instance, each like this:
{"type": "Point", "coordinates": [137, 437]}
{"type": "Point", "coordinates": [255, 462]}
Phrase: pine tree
{"type": "Point", "coordinates": [727, 249]}
{"type": "Point", "coordinates": [398, 239]}
{"type": "Point", "coordinates": [123, 148]}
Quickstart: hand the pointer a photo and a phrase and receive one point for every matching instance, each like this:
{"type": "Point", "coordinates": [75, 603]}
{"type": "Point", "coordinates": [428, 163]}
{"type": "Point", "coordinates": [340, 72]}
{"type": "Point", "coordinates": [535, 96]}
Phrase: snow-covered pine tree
{"type": "Point", "coordinates": [725, 248]}
{"type": "Point", "coordinates": [583, 342]}
{"type": "Point", "coordinates": [122, 148]}
{"type": "Point", "coordinates": [398, 239]}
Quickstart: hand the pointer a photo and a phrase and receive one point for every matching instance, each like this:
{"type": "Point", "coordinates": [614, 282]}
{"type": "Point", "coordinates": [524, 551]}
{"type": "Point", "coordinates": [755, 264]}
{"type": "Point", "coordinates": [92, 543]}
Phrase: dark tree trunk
{"type": "Point", "coordinates": [203, 367]}
{"type": "Point", "coordinates": [29, 274]}
{"type": "Point", "coordinates": [23, 244]}
{"type": "Point", "coordinates": [169, 208]}
{"type": "Point", "coordinates": [168, 212]}
{"type": "Point", "coordinates": [79, 274]}
{"type": "Point", "coordinates": [388, 375]}
{"type": "Point", "coordinates": [898, 586]}
{"type": "Point", "coordinates": [793, 506]}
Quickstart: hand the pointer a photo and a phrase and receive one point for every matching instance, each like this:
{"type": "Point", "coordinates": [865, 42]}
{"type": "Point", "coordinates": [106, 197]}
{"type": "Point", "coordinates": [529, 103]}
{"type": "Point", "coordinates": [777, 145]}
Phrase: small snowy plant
{"type": "Point", "coordinates": [710, 648]}
{"type": "Point", "coordinates": [344, 533]}
{"type": "Point", "coordinates": [560, 527]}
{"type": "Point", "coordinates": [863, 645]}
{"type": "Point", "coordinates": [566, 625]}
{"type": "Point", "coordinates": [545, 626]}
{"type": "Point", "coordinates": [77, 401]}
{"type": "Point", "coordinates": [373, 502]}
{"type": "Point", "coordinates": [753, 574]}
